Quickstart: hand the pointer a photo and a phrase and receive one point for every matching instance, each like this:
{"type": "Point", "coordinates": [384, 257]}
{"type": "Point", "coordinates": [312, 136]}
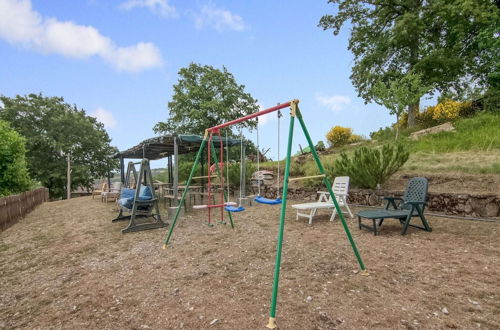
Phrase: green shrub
{"type": "Point", "coordinates": [320, 146]}
{"type": "Point", "coordinates": [491, 101]}
{"type": "Point", "coordinates": [369, 166]}
{"type": "Point", "coordinates": [383, 134]}
{"type": "Point", "coordinates": [13, 171]}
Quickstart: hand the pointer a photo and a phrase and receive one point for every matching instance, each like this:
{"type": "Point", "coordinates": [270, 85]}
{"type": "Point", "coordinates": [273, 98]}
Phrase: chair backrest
{"type": "Point", "coordinates": [116, 186]}
{"type": "Point", "coordinates": [416, 191]}
{"type": "Point", "coordinates": [102, 187]}
{"type": "Point", "coordinates": [341, 185]}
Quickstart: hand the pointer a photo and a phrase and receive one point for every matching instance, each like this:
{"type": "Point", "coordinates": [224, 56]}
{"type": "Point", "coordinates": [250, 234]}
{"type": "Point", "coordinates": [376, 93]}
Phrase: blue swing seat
{"type": "Point", "coordinates": [263, 200]}
{"type": "Point", "coordinates": [231, 208]}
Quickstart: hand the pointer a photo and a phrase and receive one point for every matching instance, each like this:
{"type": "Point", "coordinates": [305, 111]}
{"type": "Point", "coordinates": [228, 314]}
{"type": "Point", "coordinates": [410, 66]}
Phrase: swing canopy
{"type": "Point", "coordinates": [163, 146]}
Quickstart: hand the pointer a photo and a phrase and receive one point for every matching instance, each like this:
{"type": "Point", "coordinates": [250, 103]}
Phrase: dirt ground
{"type": "Point", "coordinates": [67, 266]}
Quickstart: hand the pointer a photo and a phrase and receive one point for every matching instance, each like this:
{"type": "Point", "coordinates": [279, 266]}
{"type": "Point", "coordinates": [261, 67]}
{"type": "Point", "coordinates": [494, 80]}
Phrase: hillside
{"type": "Point", "coordinates": [466, 160]}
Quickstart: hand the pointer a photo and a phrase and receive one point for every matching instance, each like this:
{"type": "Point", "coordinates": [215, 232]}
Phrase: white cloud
{"type": "Point", "coordinates": [106, 117]}
{"type": "Point", "coordinates": [268, 117]}
{"type": "Point", "coordinates": [218, 19]}
{"type": "Point", "coordinates": [21, 25]}
{"type": "Point", "coordinates": [335, 102]}
{"type": "Point", "coordinates": [158, 7]}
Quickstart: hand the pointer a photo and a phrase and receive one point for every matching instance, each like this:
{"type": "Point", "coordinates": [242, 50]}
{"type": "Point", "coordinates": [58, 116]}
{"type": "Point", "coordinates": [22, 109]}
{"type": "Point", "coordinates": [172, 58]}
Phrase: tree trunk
{"type": "Point", "coordinates": [413, 110]}
{"type": "Point", "coordinates": [68, 177]}
{"type": "Point", "coordinates": [397, 126]}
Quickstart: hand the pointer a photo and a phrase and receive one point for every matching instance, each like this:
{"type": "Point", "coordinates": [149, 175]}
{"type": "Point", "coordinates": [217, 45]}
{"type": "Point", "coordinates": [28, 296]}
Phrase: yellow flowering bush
{"type": "Point", "coordinates": [338, 135]}
{"type": "Point", "coordinates": [355, 138]}
{"type": "Point", "coordinates": [447, 110]}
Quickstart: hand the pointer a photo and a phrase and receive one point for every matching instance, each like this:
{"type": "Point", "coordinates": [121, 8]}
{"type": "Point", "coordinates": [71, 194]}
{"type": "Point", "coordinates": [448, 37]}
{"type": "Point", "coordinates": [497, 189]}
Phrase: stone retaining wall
{"type": "Point", "coordinates": [452, 204]}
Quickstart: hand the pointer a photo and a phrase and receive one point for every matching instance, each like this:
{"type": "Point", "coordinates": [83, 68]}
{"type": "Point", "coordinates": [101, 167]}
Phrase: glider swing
{"type": "Point", "coordinates": [294, 114]}
{"type": "Point", "coordinates": [138, 199]}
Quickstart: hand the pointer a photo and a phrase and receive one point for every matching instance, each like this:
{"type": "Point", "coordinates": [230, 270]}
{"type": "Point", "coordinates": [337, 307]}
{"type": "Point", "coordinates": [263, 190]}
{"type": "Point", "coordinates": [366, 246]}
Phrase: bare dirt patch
{"type": "Point", "coordinates": [67, 266]}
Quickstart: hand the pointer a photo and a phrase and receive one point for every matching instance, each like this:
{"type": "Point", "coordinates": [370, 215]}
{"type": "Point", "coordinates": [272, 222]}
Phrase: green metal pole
{"type": "Point", "coordinates": [198, 155]}
{"type": "Point", "coordinates": [329, 187]}
{"type": "Point", "coordinates": [220, 176]}
{"type": "Point", "coordinates": [272, 311]}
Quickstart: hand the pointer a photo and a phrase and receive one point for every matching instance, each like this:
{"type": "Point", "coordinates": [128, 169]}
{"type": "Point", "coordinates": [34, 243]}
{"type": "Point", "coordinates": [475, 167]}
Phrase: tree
{"type": "Point", "coordinates": [13, 172]}
{"type": "Point", "coordinates": [204, 97]}
{"type": "Point", "coordinates": [53, 129]}
{"type": "Point", "coordinates": [443, 41]}
{"type": "Point", "coordinates": [399, 94]}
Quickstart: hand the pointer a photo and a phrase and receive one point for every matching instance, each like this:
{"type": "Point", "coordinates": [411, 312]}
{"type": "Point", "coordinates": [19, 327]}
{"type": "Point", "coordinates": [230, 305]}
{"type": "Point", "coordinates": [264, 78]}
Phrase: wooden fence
{"type": "Point", "coordinates": [15, 207]}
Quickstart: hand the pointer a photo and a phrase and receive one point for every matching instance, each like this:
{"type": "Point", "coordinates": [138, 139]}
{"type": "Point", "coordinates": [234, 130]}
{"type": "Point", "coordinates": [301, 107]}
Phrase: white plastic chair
{"type": "Point", "coordinates": [113, 194]}
{"type": "Point", "coordinates": [340, 189]}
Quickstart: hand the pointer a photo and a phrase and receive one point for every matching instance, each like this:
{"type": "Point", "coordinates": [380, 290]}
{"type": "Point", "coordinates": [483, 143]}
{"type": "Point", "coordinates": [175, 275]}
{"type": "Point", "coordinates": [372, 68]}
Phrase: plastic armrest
{"type": "Point", "coordinates": [393, 198]}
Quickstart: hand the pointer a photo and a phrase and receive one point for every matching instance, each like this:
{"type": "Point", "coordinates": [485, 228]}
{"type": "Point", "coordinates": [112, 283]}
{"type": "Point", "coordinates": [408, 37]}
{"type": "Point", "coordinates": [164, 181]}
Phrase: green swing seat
{"type": "Point", "coordinates": [411, 205]}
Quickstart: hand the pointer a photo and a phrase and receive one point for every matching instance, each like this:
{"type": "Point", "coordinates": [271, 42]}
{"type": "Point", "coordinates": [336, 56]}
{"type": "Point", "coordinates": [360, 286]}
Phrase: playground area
{"type": "Point", "coordinates": [66, 265]}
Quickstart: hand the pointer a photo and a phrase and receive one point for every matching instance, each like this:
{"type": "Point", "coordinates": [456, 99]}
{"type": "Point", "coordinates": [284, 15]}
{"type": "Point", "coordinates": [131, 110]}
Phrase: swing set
{"type": "Point", "coordinates": [294, 114]}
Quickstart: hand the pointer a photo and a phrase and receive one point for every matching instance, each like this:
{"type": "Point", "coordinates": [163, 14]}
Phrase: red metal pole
{"type": "Point", "coordinates": [253, 115]}
{"type": "Point", "coordinates": [215, 205]}
{"type": "Point", "coordinates": [221, 168]}
{"type": "Point", "coordinates": [209, 174]}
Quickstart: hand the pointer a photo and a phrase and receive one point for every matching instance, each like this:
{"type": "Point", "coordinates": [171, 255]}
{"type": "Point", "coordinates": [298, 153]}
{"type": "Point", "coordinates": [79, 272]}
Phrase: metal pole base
{"type": "Point", "coordinates": [245, 201]}
{"type": "Point", "coordinates": [272, 323]}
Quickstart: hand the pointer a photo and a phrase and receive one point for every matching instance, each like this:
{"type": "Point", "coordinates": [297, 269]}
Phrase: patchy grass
{"type": "Point", "coordinates": [470, 162]}
{"type": "Point", "coordinates": [480, 133]}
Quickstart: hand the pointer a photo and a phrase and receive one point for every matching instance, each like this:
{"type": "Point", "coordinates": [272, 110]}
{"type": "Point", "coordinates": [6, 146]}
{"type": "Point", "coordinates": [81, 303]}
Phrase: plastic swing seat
{"type": "Point", "coordinates": [234, 208]}
{"type": "Point", "coordinates": [263, 200]}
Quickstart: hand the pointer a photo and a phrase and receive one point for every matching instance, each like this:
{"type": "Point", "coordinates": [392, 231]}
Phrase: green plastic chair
{"type": "Point", "coordinates": [404, 209]}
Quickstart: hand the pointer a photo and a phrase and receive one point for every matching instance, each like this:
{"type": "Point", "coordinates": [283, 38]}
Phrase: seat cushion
{"type": "Point", "coordinates": [126, 202]}
{"type": "Point", "coordinates": [145, 193]}
{"type": "Point", "coordinates": [127, 193]}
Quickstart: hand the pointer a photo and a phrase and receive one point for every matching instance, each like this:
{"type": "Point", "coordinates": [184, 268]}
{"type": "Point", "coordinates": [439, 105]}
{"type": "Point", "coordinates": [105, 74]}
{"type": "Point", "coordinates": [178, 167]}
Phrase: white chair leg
{"type": "Point", "coordinates": [348, 209]}
{"type": "Point", "coordinates": [310, 218]}
{"type": "Point", "coordinates": [334, 214]}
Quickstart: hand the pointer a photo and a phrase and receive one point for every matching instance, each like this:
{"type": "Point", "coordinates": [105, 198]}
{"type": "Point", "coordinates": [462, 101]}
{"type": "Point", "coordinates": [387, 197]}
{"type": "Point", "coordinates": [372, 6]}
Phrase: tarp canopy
{"type": "Point", "coordinates": [163, 146]}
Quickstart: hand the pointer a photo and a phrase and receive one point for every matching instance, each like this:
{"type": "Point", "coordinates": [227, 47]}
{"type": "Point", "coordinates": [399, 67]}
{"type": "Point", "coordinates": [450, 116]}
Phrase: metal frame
{"type": "Point", "coordinates": [141, 208]}
{"type": "Point", "coordinates": [294, 113]}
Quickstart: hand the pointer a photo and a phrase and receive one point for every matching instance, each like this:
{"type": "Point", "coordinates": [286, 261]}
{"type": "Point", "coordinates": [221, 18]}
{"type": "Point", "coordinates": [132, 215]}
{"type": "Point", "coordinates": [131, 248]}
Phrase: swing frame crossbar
{"type": "Point", "coordinates": [294, 114]}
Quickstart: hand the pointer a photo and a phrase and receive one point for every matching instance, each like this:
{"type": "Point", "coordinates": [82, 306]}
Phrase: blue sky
{"type": "Point", "coordinates": [119, 59]}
